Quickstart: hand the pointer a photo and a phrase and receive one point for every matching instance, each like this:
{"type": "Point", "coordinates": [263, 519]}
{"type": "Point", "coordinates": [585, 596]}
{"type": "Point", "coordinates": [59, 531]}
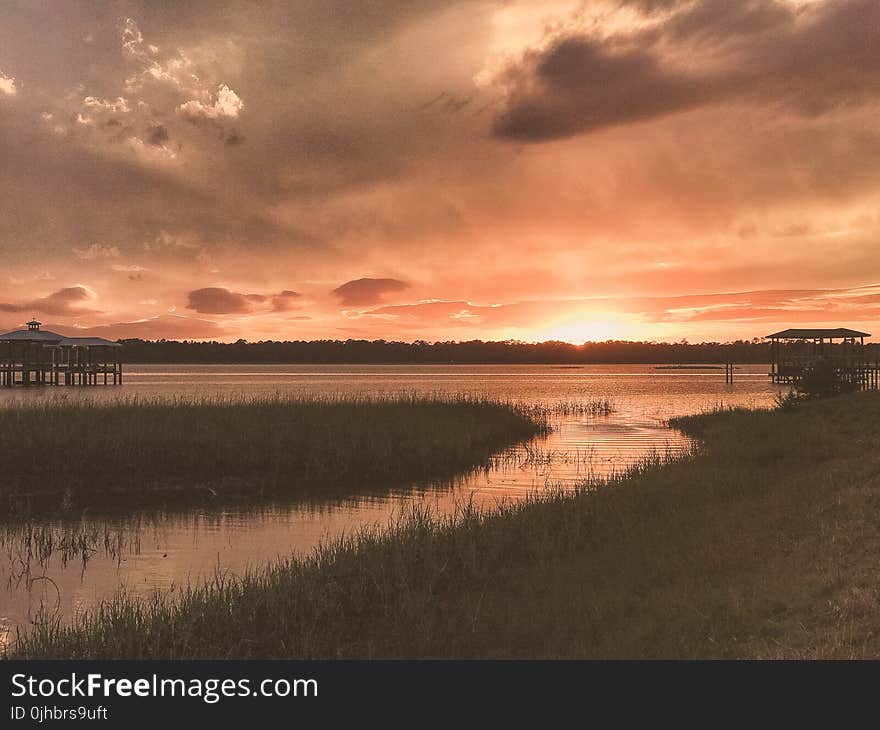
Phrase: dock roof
{"type": "Point", "coordinates": [88, 342]}
{"type": "Point", "coordinates": [47, 337]}
{"type": "Point", "coordinates": [32, 335]}
{"type": "Point", "coordinates": [815, 334]}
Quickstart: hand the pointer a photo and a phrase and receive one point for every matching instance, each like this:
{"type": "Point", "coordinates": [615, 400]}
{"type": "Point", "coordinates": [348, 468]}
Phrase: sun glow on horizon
{"type": "Point", "coordinates": [580, 330]}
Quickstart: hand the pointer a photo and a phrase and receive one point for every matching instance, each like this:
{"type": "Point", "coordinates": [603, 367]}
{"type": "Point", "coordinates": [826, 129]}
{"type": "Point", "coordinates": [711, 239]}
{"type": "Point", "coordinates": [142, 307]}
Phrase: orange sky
{"type": "Point", "coordinates": [634, 169]}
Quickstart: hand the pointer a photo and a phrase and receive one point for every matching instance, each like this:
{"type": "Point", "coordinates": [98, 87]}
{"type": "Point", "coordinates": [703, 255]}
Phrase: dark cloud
{"type": "Point", "coordinates": [713, 51]}
{"type": "Point", "coordinates": [364, 292]}
{"type": "Point", "coordinates": [579, 85]}
{"type": "Point", "coordinates": [67, 301]}
{"type": "Point", "coordinates": [285, 300]}
{"type": "Point", "coordinates": [233, 137]}
{"type": "Point", "coordinates": [158, 135]}
{"type": "Point", "coordinates": [217, 300]}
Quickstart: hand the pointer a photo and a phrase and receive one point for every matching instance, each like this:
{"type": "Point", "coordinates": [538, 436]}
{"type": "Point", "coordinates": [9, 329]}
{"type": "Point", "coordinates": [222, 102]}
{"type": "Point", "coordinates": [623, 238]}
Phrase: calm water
{"type": "Point", "coordinates": [150, 552]}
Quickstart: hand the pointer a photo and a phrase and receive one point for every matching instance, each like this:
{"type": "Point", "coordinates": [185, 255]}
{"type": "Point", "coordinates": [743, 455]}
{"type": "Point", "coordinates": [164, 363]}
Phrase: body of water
{"type": "Point", "coordinates": [151, 552]}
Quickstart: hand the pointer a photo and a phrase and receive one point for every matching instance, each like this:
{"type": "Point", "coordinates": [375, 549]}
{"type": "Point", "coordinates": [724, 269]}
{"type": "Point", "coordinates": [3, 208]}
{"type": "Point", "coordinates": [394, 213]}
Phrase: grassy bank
{"type": "Point", "coordinates": [764, 543]}
{"type": "Point", "coordinates": [140, 452]}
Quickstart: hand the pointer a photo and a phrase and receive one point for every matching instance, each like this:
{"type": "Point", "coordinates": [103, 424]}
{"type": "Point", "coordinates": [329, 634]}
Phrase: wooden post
{"type": "Point", "coordinates": [773, 360]}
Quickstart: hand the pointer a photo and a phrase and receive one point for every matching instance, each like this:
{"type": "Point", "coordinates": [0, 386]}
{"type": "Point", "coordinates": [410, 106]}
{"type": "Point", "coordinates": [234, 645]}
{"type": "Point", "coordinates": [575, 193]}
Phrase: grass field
{"type": "Point", "coordinates": [140, 452]}
{"type": "Point", "coordinates": [764, 543]}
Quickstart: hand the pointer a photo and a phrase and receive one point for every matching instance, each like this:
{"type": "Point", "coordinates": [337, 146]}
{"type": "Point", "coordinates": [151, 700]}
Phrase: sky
{"type": "Point", "coordinates": [440, 169]}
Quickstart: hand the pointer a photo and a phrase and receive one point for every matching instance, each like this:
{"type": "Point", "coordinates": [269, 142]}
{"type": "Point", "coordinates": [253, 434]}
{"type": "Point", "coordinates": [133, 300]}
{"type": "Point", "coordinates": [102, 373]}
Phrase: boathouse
{"type": "Point", "coordinates": [39, 357]}
{"type": "Point", "coordinates": [795, 352]}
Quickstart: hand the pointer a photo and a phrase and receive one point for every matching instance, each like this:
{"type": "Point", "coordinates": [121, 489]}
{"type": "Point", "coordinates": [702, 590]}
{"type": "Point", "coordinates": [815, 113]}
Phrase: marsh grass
{"type": "Point", "coordinates": [588, 407]}
{"type": "Point", "coordinates": [761, 543]}
{"type": "Point", "coordinates": [29, 547]}
{"type": "Point", "coordinates": [137, 452]}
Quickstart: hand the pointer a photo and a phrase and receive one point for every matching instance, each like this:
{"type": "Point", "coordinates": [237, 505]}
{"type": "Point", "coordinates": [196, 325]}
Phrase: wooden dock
{"type": "Point", "coordinates": [796, 353]}
{"type": "Point", "coordinates": [863, 377]}
{"type": "Point", "coordinates": [15, 373]}
{"type": "Point", "coordinates": [35, 357]}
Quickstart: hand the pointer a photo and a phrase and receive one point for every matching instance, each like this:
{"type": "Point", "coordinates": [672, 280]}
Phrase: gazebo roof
{"type": "Point", "coordinates": [816, 334]}
{"type": "Point", "coordinates": [32, 335]}
{"type": "Point", "coordinates": [47, 337]}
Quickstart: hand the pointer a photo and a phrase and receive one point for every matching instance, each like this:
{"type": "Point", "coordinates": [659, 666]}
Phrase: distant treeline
{"type": "Point", "coordinates": [473, 352]}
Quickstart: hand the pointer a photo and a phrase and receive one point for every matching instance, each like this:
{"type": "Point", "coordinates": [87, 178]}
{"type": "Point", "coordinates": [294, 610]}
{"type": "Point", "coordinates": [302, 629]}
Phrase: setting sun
{"type": "Point", "coordinates": [579, 330]}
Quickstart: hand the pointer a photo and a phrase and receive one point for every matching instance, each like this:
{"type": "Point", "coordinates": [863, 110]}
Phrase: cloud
{"type": "Point", "coordinates": [578, 85]}
{"type": "Point", "coordinates": [812, 60]}
{"type": "Point", "coordinates": [164, 326]}
{"type": "Point", "coordinates": [166, 241]}
{"type": "Point", "coordinates": [182, 74]}
{"type": "Point", "coordinates": [362, 156]}
{"type": "Point", "coordinates": [119, 176]}
{"type": "Point", "coordinates": [364, 292]}
{"type": "Point", "coordinates": [178, 70]}
{"type": "Point", "coordinates": [750, 308]}
{"type": "Point", "coordinates": [150, 96]}
{"type": "Point", "coordinates": [459, 314]}
{"type": "Point", "coordinates": [132, 39]}
{"type": "Point", "coordinates": [69, 301]}
{"type": "Point", "coordinates": [225, 104]}
{"type": "Point", "coordinates": [285, 300]}
{"type": "Point", "coordinates": [119, 106]}
{"type": "Point", "coordinates": [233, 137]}
{"type": "Point", "coordinates": [135, 272]}
{"type": "Point", "coordinates": [7, 85]}
{"type": "Point", "coordinates": [158, 135]}
{"type": "Point", "coordinates": [97, 251]}
{"type": "Point", "coordinates": [219, 300]}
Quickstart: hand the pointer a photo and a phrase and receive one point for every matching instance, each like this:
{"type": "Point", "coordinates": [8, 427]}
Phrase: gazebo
{"type": "Point", "coordinates": [34, 356]}
{"type": "Point", "coordinates": [795, 351]}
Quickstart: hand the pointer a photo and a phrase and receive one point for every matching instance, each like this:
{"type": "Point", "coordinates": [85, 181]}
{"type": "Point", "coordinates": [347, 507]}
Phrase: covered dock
{"type": "Point", "coordinates": [798, 351]}
{"type": "Point", "coordinates": [34, 356]}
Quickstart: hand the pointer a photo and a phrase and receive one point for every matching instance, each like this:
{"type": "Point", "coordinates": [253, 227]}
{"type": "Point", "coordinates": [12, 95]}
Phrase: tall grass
{"type": "Point", "coordinates": [591, 407]}
{"type": "Point", "coordinates": [761, 543]}
{"type": "Point", "coordinates": [138, 451]}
